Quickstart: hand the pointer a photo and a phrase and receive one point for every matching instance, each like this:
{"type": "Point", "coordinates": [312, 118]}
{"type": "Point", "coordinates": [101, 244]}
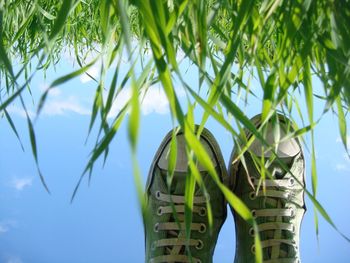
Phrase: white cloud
{"type": "Point", "coordinates": [121, 100]}
{"type": "Point", "coordinates": [344, 165]}
{"type": "Point", "coordinates": [6, 225]}
{"type": "Point", "coordinates": [3, 228]}
{"type": "Point", "coordinates": [53, 107]}
{"type": "Point", "coordinates": [94, 72]}
{"type": "Point", "coordinates": [154, 101]}
{"type": "Point", "coordinates": [14, 259]}
{"type": "Point", "coordinates": [20, 183]}
{"type": "Point", "coordinates": [13, 109]}
{"type": "Point", "coordinates": [54, 92]}
{"type": "Point", "coordinates": [62, 106]}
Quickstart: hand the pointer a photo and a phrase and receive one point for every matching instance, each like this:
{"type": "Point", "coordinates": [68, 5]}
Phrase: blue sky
{"type": "Point", "coordinates": [104, 224]}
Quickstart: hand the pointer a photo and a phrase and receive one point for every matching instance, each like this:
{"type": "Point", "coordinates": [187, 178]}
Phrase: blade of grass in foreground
{"type": "Point", "coordinates": [61, 19]}
{"type": "Point", "coordinates": [13, 127]}
{"type": "Point", "coordinates": [34, 151]}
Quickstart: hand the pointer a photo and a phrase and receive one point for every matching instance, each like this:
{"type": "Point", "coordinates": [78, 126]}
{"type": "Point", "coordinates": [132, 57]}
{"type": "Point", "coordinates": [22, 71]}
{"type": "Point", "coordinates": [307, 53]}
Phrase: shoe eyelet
{"type": "Point", "coordinates": [202, 229]}
{"type": "Point", "coordinates": [292, 212]}
{"type": "Point", "coordinates": [199, 245]}
{"type": "Point", "coordinates": [252, 196]}
{"type": "Point", "coordinates": [254, 214]}
{"type": "Point", "coordinates": [160, 211]}
{"type": "Point", "coordinates": [251, 232]}
{"type": "Point", "coordinates": [153, 246]}
{"type": "Point", "coordinates": [156, 227]}
{"type": "Point", "coordinates": [202, 211]}
{"type": "Point", "coordinates": [158, 194]}
{"type": "Point", "coordinates": [252, 249]}
{"type": "Point", "coordinates": [293, 229]}
{"type": "Point", "coordinates": [291, 181]}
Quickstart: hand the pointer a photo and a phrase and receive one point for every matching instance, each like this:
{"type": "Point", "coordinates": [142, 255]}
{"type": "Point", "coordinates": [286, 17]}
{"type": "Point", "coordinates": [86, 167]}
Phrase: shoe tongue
{"type": "Point", "coordinates": [283, 149]}
{"type": "Point", "coordinates": [277, 170]}
{"type": "Point", "coordinates": [178, 184]}
{"type": "Point", "coordinates": [181, 158]}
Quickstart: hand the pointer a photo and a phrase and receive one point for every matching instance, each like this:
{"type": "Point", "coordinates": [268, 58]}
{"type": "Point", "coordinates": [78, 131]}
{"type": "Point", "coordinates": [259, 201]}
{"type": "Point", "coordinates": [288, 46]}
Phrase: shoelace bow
{"type": "Point", "coordinates": [175, 243]}
{"type": "Point", "coordinates": [277, 219]}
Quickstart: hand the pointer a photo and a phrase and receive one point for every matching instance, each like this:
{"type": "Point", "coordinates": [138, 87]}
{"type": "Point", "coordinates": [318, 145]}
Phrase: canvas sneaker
{"type": "Point", "coordinates": [276, 203]}
{"type": "Point", "coordinates": [164, 225]}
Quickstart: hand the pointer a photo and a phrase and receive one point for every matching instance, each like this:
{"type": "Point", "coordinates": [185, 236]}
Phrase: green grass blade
{"type": "Point", "coordinates": [13, 127]}
{"type": "Point", "coordinates": [189, 197]}
{"type": "Point", "coordinates": [342, 123]}
{"type": "Point", "coordinates": [35, 152]}
{"type": "Point", "coordinates": [61, 19]}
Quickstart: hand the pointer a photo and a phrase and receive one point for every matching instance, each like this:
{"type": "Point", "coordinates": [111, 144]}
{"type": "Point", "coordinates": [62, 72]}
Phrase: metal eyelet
{"type": "Point", "coordinates": [293, 229]}
{"type": "Point", "coordinates": [153, 246]}
{"type": "Point", "coordinates": [254, 214]}
{"type": "Point", "coordinates": [252, 249]}
{"type": "Point", "coordinates": [160, 211]}
{"type": "Point", "coordinates": [291, 181]}
{"type": "Point", "coordinates": [202, 211]}
{"type": "Point", "coordinates": [295, 244]}
{"type": "Point", "coordinates": [158, 194]}
{"type": "Point", "coordinates": [203, 228]}
{"type": "Point", "coordinates": [251, 232]}
{"type": "Point", "coordinates": [156, 227]}
{"type": "Point", "coordinates": [292, 212]}
{"type": "Point", "coordinates": [252, 196]}
{"type": "Point", "coordinates": [199, 245]}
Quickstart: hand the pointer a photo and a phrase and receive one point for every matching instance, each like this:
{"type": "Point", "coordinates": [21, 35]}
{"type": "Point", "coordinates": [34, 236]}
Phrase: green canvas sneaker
{"type": "Point", "coordinates": [164, 234]}
{"type": "Point", "coordinates": [279, 207]}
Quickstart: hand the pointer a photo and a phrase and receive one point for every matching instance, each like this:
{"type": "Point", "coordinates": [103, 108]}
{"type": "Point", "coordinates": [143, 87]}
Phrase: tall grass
{"type": "Point", "coordinates": [282, 44]}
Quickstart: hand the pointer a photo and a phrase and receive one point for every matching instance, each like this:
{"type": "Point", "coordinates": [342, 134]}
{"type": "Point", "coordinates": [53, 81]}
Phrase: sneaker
{"type": "Point", "coordinates": [276, 203]}
{"type": "Point", "coordinates": [164, 219]}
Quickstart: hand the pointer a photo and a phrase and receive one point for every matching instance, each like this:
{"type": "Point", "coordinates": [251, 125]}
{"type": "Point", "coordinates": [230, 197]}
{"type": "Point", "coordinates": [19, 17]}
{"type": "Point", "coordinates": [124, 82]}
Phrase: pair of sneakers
{"type": "Point", "coordinates": [274, 195]}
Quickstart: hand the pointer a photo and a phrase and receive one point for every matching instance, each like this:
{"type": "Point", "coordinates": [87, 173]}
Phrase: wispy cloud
{"type": "Point", "coordinates": [3, 228]}
{"type": "Point", "coordinates": [20, 183]}
{"type": "Point", "coordinates": [14, 259]}
{"type": "Point", "coordinates": [54, 92]}
{"type": "Point", "coordinates": [19, 111]}
{"type": "Point", "coordinates": [343, 165]}
{"type": "Point", "coordinates": [94, 72]}
{"type": "Point", "coordinates": [6, 225]}
{"type": "Point", "coordinates": [63, 106]}
{"type": "Point", "coordinates": [153, 101]}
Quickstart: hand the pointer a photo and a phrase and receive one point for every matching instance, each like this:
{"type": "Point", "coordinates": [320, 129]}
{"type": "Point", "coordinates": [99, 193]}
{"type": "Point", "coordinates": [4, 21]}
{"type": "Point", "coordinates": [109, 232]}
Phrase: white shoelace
{"type": "Point", "coordinates": [175, 243]}
{"type": "Point", "coordinates": [281, 191]}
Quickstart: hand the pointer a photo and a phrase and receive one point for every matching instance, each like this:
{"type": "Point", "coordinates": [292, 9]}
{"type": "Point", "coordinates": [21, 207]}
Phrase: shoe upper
{"type": "Point", "coordinates": [165, 234]}
{"type": "Point", "coordinates": [276, 202]}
